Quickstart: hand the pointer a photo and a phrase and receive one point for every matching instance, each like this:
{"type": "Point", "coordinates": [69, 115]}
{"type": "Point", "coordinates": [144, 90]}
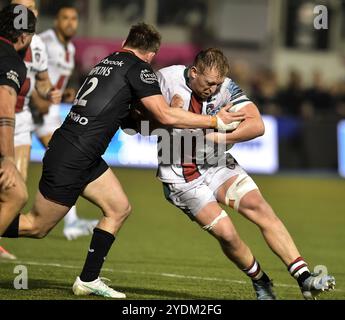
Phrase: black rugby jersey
{"type": "Point", "coordinates": [103, 101]}
{"type": "Point", "coordinates": [12, 67]}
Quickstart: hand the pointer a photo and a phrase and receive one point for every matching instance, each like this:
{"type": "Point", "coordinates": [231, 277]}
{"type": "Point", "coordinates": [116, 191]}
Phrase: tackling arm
{"type": "Point", "coordinates": [179, 118]}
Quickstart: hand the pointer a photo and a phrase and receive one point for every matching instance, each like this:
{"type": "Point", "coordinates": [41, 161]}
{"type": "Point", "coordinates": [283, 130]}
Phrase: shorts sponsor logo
{"type": "Point", "coordinates": [148, 76]}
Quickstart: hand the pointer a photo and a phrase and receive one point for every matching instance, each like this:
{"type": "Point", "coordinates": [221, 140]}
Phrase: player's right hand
{"type": "Point", "coordinates": [227, 120]}
{"type": "Point", "coordinates": [8, 173]}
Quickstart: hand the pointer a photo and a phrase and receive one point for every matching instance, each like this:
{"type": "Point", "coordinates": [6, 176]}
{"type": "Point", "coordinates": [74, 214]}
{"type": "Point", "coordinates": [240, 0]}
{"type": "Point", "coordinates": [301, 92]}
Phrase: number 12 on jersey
{"type": "Point", "coordinates": [82, 101]}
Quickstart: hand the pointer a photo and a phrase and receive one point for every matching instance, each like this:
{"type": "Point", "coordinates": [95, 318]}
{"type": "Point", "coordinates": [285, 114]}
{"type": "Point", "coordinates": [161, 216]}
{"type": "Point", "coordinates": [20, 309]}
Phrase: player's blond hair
{"type": "Point", "coordinates": [212, 58]}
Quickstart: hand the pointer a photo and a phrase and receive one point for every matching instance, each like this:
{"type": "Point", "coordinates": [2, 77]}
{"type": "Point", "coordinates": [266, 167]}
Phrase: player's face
{"type": "Point", "coordinates": [205, 84]}
{"type": "Point", "coordinates": [67, 22]}
{"type": "Point", "coordinates": [30, 4]}
{"type": "Point", "coordinates": [24, 42]}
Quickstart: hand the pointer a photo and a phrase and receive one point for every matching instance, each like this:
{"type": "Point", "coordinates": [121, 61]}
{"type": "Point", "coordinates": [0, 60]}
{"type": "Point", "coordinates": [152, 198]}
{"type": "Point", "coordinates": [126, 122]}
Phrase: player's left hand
{"type": "Point", "coordinates": [54, 96]}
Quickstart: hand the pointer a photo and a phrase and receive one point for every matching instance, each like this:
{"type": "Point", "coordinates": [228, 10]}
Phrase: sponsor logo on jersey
{"type": "Point", "coordinates": [13, 76]}
{"type": "Point", "coordinates": [148, 76]}
{"type": "Point", "coordinates": [116, 63]}
{"type": "Point", "coordinates": [76, 117]}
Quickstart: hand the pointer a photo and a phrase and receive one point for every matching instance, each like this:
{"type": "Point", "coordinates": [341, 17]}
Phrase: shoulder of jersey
{"type": "Point", "coordinates": [37, 42]}
{"type": "Point", "coordinates": [48, 35]}
{"type": "Point", "coordinates": [172, 72]}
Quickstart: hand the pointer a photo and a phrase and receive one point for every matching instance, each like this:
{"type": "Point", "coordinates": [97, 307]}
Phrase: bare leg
{"type": "Point", "coordinates": [43, 217]}
{"type": "Point", "coordinates": [11, 202]}
{"type": "Point", "coordinates": [224, 231]}
{"type": "Point", "coordinates": [106, 192]}
{"type": "Point", "coordinates": [254, 207]}
{"type": "Point", "coordinates": [22, 157]}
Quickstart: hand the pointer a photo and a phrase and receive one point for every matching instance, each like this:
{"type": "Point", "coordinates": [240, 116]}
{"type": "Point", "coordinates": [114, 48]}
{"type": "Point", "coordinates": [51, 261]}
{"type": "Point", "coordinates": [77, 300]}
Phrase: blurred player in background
{"type": "Point", "coordinates": [14, 41]}
{"type": "Point", "coordinates": [37, 78]}
{"type": "Point", "coordinates": [73, 165]}
{"type": "Point", "coordinates": [61, 62]}
{"type": "Point", "coordinates": [198, 189]}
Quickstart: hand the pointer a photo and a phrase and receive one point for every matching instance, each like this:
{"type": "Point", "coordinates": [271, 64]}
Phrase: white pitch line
{"type": "Point", "coordinates": [167, 275]}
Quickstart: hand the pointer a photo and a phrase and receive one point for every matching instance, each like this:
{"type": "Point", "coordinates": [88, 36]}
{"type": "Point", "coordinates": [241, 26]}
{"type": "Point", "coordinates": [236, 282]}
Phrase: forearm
{"type": "Point", "coordinates": [42, 105]}
{"type": "Point", "coordinates": [176, 117]}
{"type": "Point", "coordinates": [179, 118]}
{"type": "Point", "coordinates": [6, 141]}
{"type": "Point", "coordinates": [247, 130]}
{"type": "Point", "coordinates": [43, 88]}
{"type": "Point", "coordinates": [8, 98]}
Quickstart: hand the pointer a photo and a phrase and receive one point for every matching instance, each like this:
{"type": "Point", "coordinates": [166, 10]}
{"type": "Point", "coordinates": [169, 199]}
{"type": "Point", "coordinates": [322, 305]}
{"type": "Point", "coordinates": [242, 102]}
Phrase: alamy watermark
{"type": "Point", "coordinates": [21, 20]}
{"type": "Point", "coordinates": [177, 146]}
{"type": "Point", "coordinates": [21, 281]}
{"type": "Point", "coordinates": [321, 20]}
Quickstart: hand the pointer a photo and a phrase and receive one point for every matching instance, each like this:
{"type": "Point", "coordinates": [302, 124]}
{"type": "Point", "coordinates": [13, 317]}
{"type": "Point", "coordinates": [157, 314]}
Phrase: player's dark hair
{"type": "Point", "coordinates": [212, 58]}
{"type": "Point", "coordinates": [143, 37]}
{"type": "Point", "coordinates": [64, 7]}
{"type": "Point", "coordinates": [8, 28]}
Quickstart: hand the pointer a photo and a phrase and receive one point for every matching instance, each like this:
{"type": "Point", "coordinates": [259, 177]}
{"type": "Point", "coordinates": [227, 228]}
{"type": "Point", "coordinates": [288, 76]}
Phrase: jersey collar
{"type": "Point", "coordinates": [6, 40]}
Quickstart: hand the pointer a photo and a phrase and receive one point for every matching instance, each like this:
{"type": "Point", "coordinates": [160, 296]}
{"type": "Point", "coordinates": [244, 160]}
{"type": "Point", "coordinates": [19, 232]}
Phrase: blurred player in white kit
{"type": "Point", "coordinates": [61, 63]}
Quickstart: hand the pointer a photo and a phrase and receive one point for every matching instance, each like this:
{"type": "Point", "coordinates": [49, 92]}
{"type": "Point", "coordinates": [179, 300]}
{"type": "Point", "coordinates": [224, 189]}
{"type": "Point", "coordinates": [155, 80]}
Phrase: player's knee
{"type": "Point", "coordinates": [21, 196]}
{"type": "Point", "coordinates": [230, 239]}
{"type": "Point", "coordinates": [121, 212]}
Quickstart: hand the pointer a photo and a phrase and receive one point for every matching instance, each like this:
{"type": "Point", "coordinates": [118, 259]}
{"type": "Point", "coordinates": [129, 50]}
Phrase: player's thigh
{"type": "Point", "coordinates": [22, 158]}
{"type": "Point", "coordinates": [214, 219]}
{"type": "Point", "coordinates": [235, 188]}
{"type": "Point", "coordinates": [255, 208]}
{"type": "Point", "coordinates": [46, 213]}
{"type": "Point", "coordinates": [107, 193]}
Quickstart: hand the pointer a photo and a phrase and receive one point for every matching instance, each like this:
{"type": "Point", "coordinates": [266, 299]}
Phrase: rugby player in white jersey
{"type": "Point", "coordinates": [61, 63]}
{"type": "Point", "coordinates": [199, 187]}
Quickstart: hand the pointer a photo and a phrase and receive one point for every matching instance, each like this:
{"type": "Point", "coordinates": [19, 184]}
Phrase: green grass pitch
{"type": "Point", "coordinates": [160, 254]}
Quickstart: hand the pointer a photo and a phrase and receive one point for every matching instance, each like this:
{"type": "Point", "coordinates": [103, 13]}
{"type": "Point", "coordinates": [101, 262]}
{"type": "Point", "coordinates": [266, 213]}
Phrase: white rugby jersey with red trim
{"type": "Point", "coordinates": [174, 80]}
{"type": "Point", "coordinates": [36, 61]}
{"type": "Point", "coordinates": [61, 61]}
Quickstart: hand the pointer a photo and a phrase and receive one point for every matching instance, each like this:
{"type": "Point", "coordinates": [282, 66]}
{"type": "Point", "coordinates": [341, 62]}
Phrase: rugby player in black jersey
{"type": "Point", "coordinates": [73, 163]}
{"type": "Point", "coordinates": [14, 39]}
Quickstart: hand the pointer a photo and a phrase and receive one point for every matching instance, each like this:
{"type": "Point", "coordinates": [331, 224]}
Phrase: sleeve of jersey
{"type": "Point", "coordinates": [143, 81]}
{"type": "Point", "coordinates": [238, 98]}
{"type": "Point", "coordinates": [164, 87]}
{"type": "Point", "coordinates": [44, 60]}
{"type": "Point", "coordinates": [12, 73]}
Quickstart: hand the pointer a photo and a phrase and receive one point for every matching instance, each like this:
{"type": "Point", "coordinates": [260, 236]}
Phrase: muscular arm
{"type": "Point", "coordinates": [250, 128]}
{"type": "Point", "coordinates": [42, 105]}
{"type": "Point", "coordinates": [8, 99]}
{"type": "Point", "coordinates": [179, 118]}
{"type": "Point", "coordinates": [46, 90]}
{"type": "Point", "coordinates": [43, 84]}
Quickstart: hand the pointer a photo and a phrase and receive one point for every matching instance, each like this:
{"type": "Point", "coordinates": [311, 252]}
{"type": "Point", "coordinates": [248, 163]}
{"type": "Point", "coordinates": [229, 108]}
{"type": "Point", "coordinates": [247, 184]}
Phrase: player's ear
{"type": "Point", "coordinates": [193, 72]}
{"type": "Point", "coordinates": [150, 56]}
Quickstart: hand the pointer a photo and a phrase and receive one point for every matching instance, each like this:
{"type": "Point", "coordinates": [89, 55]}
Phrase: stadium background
{"type": "Point", "coordinates": [296, 76]}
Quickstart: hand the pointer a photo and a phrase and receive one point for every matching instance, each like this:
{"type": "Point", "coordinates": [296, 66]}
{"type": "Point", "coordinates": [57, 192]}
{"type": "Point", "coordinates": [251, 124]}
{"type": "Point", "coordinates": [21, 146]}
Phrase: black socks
{"type": "Point", "coordinates": [100, 245]}
{"type": "Point", "coordinates": [13, 229]}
